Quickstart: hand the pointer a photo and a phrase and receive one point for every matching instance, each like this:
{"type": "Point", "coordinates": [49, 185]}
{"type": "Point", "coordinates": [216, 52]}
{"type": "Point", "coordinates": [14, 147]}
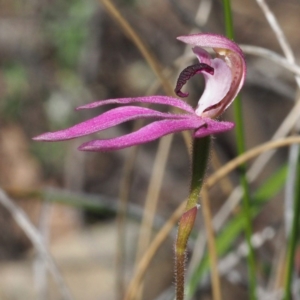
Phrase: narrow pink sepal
{"type": "Point", "coordinates": [213, 127]}
{"type": "Point", "coordinates": [106, 120]}
{"type": "Point", "coordinates": [165, 100]}
{"type": "Point", "coordinates": [146, 134]}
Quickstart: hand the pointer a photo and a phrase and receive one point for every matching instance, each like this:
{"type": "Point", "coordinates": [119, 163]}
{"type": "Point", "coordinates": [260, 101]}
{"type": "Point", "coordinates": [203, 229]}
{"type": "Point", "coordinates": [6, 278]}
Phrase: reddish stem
{"type": "Point", "coordinates": [185, 227]}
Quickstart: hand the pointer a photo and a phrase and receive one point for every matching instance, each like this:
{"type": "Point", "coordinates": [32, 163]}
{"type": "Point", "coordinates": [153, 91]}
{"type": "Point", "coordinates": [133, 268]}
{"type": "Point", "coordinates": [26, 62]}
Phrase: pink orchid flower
{"type": "Point", "coordinates": [224, 77]}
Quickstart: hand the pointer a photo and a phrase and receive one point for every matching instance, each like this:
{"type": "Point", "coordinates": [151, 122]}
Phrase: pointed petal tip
{"type": "Point", "coordinates": [84, 147]}
{"type": "Point", "coordinates": [45, 137]}
{"type": "Point", "coordinates": [55, 136]}
{"type": "Point", "coordinates": [36, 138]}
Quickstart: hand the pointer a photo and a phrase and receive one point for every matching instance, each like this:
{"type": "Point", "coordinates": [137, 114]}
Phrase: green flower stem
{"type": "Point", "coordinates": [294, 236]}
{"type": "Point", "coordinates": [199, 162]}
{"type": "Point", "coordinates": [243, 178]}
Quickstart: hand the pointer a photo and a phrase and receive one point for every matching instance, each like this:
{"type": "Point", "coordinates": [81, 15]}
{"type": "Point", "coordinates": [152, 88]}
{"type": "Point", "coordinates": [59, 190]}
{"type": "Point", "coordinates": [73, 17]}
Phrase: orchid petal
{"type": "Point", "coordinates": [149, 99]}
{"type": "Point", "coordinates": [146, 134]}
{"type": "Point", "coordinates": [212, 127]}
{"type": "Point", "coordinates": [203, 55]}
{"type": "Point", "coordinates": [238, 70]}
{"type": "Point", "coordinates": [216, 88]}
{"type": "Point", "coordinates": [106, 120]}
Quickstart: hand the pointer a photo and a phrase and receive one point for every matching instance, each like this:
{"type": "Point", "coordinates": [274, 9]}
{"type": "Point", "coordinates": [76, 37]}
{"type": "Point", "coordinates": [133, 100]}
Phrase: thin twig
{"type": "Point", "coordinates": [213, 255]}
{"type": "Point", "coordinates": [130, 32]}
{"type": "Point", "coordinates": [277, 30]}
{"type": "Point", "coordinates": [92, 202]}
{"type": "Point", "coordinates": [257, 240]}
{"type": "Point", "coordinates": [153, 195]}
{"type": "Point", "coordinates": [151, 250]}
{"type": "Point", "coordinates": [22, 220]}
{"type": "Point", "coordinates": [272, 56]}
{"type": "Point", "coordinates": [40, 266]}
{"type": "Point", "coordinates": [203, 12]}
{"type": "Point", "coordinates": [274, 84]}
{"type": "Point", "coordinates": [121, 217]}
{"type": "Point", "coordinates": [225, 184]}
